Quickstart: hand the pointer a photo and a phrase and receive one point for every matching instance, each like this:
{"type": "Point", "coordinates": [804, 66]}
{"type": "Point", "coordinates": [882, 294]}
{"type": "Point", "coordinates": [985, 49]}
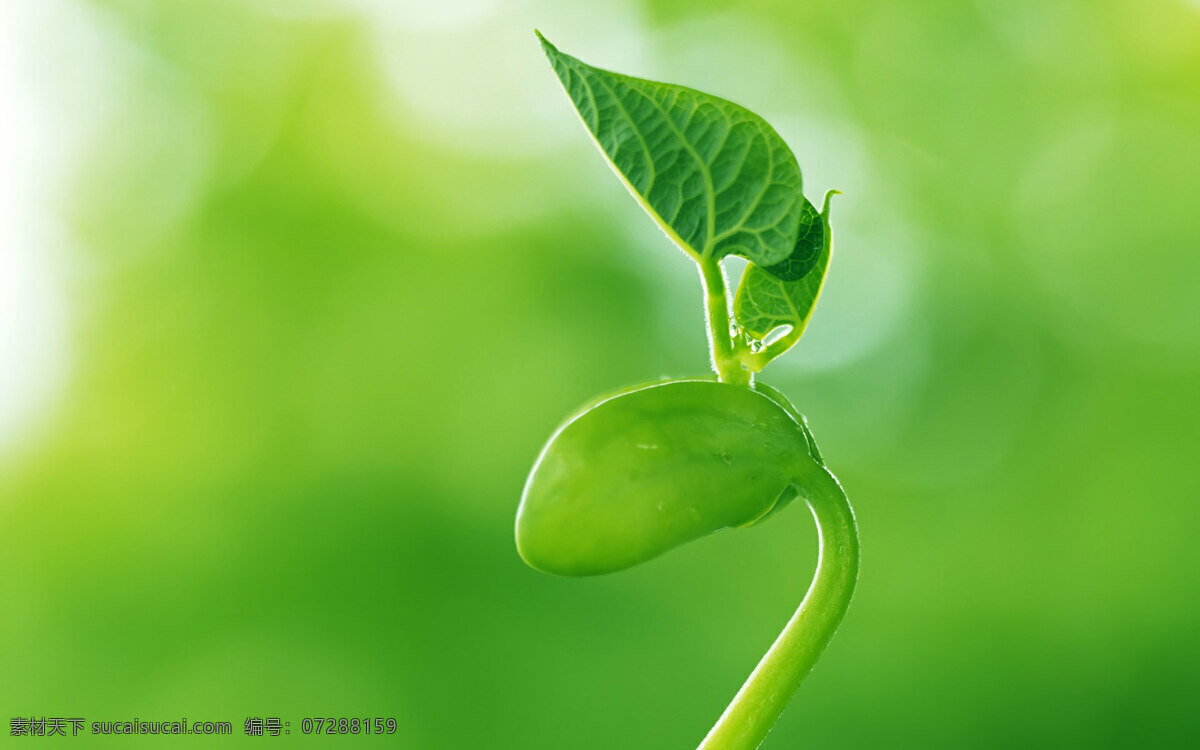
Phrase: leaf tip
{"type": "Point", "coordinates": [546, 45]}
{"type": "Point", "coordinates": [825, 208]}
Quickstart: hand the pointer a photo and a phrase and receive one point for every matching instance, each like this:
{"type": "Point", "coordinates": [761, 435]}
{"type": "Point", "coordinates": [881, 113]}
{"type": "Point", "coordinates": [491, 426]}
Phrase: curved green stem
{"type": "Point", "coordinates": [726, 355]}
{"type": "Point", "coordinates": [762, 699]}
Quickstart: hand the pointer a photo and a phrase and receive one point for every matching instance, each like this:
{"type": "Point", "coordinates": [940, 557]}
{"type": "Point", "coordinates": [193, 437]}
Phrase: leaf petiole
{"type": "Point", "coordinates": [754, 361]}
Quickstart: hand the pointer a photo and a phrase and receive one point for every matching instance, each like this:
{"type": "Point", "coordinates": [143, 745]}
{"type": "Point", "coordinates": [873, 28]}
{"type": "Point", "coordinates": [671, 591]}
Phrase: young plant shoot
{"type": "Point", "coordinates": [633, 474]}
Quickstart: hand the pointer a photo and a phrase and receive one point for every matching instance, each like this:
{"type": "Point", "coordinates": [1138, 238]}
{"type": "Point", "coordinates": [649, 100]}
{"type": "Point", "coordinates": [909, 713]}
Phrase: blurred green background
{"type": "Point", "coordinates": [293, 293]}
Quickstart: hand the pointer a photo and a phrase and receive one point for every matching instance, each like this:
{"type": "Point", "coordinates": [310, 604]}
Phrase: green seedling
{"type": "Point", "coordinates": [631, 475]}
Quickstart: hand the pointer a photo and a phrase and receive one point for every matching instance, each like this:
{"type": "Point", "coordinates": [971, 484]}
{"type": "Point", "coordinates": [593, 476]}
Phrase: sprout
{"type": "Point", "coordinates": [632, 475]}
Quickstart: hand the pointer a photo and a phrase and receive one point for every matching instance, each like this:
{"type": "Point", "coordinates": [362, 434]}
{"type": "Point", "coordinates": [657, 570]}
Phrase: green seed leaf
{"type": "Point", "coordinates": [652, 468]}
{"type": "Point", "coordinates": [715, 176]}
{"type": "Point", "coordinates": [765, 301]}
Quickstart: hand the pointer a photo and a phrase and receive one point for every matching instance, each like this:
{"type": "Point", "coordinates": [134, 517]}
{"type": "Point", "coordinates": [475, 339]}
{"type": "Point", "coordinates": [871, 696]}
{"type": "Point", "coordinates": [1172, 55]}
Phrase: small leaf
{"type": "Point", "coordinates": [808, 247]}
{"type": "Point", "coordinates": [765, 302]}
{"type": "Point", "coordinates": [715, 176]}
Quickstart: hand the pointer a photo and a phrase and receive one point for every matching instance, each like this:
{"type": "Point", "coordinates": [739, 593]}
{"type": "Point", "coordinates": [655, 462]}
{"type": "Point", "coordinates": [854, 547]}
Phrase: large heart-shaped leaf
{"type": "Point", "coordinates": [715, 176]}
{"type": "Point", "coordinates": [765, 301]}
